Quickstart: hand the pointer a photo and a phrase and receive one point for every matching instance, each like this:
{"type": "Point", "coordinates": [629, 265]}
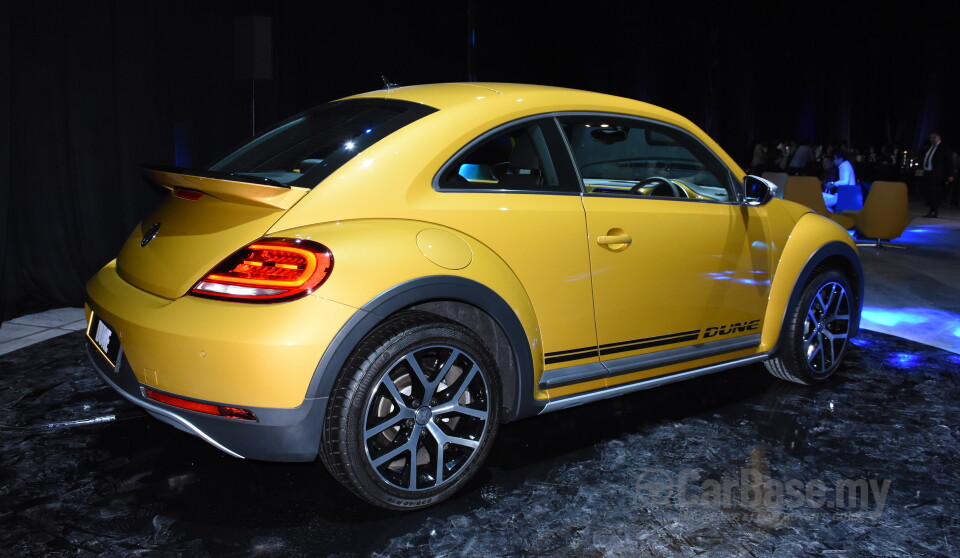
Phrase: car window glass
{"type": "Point", "coordinates": [517, 158]}
{"type": "Point", "coordinates": [307, 148]}
{"type": "Point", "coordinates": [622, 156]}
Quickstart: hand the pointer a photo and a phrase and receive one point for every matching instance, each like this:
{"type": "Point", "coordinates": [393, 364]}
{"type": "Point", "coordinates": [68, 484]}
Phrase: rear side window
{"type": "Point", "coordinates": [307, 148]}
{"type": "Point", "coordinates": [526, 157]}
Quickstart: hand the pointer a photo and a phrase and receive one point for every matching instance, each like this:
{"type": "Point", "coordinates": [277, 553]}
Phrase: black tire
{"type": "Point", "coordinates": [403, 438]}
{"type": "Point", "coordinates": [817, 331]}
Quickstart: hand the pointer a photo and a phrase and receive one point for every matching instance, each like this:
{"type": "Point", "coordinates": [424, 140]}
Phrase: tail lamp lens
{"type": "Point", "coordinates": [186, 194]}
{"type": "Point", "coordinates": [268, 271]}
{"type": "Point", "coordinates": [219, 410]}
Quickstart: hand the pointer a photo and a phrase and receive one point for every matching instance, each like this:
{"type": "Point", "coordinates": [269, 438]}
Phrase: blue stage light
{"type": "Point", "coordinates": [903, 360]}
{"type": "Point", "coordinates": [891, 318]}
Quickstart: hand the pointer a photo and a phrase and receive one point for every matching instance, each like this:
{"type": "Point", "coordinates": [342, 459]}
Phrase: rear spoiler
{"type": "Point", "coordinates": [237, 188]}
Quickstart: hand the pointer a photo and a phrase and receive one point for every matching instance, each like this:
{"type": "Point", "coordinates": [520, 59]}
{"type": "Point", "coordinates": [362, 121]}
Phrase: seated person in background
{"type": "Point", "coordinates": [845, 177]}
{"type": "Point", "coordinates": [829, 176]}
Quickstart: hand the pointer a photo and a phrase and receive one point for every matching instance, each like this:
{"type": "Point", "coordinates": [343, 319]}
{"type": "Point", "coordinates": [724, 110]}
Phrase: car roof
{"type": "Point", "coordinates": [536, 97]}
{"type": "Point", "coordinates": [484, 102]}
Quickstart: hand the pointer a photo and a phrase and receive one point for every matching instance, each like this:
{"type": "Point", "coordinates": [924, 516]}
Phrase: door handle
{"type": "Point", "coordinates": [617, 239]}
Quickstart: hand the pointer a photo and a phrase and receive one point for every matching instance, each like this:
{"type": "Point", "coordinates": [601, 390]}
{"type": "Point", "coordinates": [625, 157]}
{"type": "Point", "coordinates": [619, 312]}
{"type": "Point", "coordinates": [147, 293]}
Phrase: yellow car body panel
{"type": "Point", "coordinates": [810, 233]}
{"type": "Point", "coordinates": [400, 258]}
{"type": "Point", "coordinates": [197, 234]}
{"type": "Point", "coordinates": [714, 274]}
{"type": "Point", "coordinates": [249, 355]}
{"type": "Point", "coordinates": [543, 237]}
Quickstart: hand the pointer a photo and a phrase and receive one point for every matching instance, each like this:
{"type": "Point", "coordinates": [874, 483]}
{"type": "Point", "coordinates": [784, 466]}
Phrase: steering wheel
{"type": "Point", "coordinates": [663, 187]}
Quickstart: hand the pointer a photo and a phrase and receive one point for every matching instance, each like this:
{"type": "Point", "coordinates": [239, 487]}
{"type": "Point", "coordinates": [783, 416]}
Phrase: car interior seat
{"type": "Point", "coordinates": [523, 170]}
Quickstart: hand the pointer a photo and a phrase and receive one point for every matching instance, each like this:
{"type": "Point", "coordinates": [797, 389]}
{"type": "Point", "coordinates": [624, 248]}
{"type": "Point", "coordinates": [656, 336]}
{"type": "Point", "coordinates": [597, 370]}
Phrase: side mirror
{"type": "Point", "coordinates": [758, 191]}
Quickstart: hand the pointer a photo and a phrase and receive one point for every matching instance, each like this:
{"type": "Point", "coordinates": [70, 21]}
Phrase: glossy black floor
{"type": "Point", "coordinates": [673, 471]}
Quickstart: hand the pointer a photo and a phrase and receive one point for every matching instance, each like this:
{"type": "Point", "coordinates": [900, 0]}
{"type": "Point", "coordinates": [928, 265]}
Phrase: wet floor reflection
{"type": "Point", "coordinates": [735, 464]}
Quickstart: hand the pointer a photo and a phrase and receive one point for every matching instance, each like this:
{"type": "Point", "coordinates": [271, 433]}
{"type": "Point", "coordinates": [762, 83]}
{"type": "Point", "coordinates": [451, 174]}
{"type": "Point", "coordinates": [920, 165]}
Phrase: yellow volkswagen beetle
{"type": "Point", "coordinates": [382, 280]}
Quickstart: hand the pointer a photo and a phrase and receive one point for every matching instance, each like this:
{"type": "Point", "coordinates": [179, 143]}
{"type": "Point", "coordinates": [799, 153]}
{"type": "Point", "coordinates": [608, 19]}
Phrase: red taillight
{"type": "Point", "coordinates": [185, 194]}
{"type": "Point", "coordinates": [219, 410]}
{"type": "Point", "coordinates": [269, 270]}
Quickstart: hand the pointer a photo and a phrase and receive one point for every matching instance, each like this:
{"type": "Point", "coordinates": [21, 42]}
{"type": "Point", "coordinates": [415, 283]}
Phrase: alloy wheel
{"type": "Point", "coordinates": [826, 327]}
{"type": "Point", "coordinates": [426, 418]}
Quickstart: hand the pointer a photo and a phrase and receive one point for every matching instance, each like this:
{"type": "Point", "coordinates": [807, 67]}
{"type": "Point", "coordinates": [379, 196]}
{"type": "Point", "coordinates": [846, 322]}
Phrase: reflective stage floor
{"type": "Point", "coordinates": [734, 464]}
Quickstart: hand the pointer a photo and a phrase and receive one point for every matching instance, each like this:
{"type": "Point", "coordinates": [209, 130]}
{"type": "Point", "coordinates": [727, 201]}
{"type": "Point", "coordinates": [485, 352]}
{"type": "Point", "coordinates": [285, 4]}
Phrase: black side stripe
{"type": "Point", "coordinates": [573, 354]}
{"type": "Point", "coordinates": [620, 347]}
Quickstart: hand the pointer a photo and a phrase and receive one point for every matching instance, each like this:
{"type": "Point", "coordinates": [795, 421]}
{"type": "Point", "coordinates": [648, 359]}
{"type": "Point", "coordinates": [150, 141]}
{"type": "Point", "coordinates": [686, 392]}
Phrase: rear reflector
{"type": "Point", "coordinates": [219, 410]}
{"type": "Point", "coordinates": [269, 270]}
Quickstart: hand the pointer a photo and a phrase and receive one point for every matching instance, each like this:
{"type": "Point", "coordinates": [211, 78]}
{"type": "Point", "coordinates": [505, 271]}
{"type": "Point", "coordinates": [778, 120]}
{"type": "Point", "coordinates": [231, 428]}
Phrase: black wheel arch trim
{"type": "Point", "coordinates": [517, 401]}
{"type": "Point", "coordinates": [825, 252]}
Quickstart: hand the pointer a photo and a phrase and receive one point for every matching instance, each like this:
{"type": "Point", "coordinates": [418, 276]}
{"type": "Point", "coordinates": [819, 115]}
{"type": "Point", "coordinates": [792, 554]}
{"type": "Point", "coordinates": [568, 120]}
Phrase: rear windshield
{"type": "Point", "coordinates": [307, 148]}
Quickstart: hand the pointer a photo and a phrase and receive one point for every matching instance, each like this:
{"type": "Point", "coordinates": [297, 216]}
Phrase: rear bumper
{"type": "Point", "coordinates": [263, 358]}
{"type": "Point", "coordinates": [277, 435]}
{"type": "Point", "coordinates": [246, 355]}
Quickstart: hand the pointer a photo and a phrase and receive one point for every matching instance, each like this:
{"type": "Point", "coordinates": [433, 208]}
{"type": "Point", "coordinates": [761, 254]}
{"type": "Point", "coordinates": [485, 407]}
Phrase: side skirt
{"type": "Point", "coordinates": [635, 364]}
{"type": "Point", "coordinates": [596, 370]}
{"type": "Point", "coordinates": [582, 398]}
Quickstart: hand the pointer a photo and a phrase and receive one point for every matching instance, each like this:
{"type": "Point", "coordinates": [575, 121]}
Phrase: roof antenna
{"type": "Point", "coordinates": [386, 82]}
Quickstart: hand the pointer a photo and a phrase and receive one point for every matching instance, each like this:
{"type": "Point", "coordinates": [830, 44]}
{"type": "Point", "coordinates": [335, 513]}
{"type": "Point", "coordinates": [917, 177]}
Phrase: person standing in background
{"type": "Point", "coordinates": [953, 188]}
{"type": "Point", "coordinates": [801, 158]}
{"type": "Point", "coordinates": [759, 157]}
{"type": "Point", "coordinates": [786, 150]}
{"type": "Point", "coordinates": [937, 173]}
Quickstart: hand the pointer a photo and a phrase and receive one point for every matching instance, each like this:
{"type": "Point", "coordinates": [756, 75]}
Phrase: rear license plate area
{"type": "Point", "coordinates": [104, 339]}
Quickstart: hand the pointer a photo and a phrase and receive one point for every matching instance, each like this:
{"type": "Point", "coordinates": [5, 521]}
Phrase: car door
{"type": "Point", "coordinates": [680, 269]}
{"type": "Point", "coordinates": [515, 189]}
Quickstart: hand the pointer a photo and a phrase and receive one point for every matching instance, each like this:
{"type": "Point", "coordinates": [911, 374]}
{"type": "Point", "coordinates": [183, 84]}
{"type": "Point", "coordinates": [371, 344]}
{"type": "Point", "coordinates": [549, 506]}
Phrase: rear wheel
{"type": "Point", "coordinates": [414, 412]}
{"type": "Point", "coordinates": [817, 331]}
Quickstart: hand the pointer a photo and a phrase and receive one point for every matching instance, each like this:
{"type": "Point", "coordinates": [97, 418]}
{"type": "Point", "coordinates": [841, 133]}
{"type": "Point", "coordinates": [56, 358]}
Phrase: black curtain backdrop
{"type": "Point", "coordinates": [8, 291]}
{"type": "Point", "coordinates": [90, 90]}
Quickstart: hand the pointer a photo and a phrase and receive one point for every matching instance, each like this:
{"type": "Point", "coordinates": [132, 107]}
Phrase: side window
{"type": "Point", "coordinates": [625, 156]}
{"type": "Point", "coordinates": [516, 158]}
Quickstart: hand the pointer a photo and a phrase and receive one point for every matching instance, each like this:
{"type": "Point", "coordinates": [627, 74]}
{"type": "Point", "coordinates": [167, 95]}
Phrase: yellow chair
{"type": "Point", "coordinates": [807, 190]}
{"type": "Point", "coordinates": [885, 214]}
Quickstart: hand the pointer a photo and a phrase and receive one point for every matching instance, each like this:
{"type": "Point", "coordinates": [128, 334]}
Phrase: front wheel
{"type": "Point", "coordinates": [413, 413]}
{"type": "Point", "coordinates": [817, 331]}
